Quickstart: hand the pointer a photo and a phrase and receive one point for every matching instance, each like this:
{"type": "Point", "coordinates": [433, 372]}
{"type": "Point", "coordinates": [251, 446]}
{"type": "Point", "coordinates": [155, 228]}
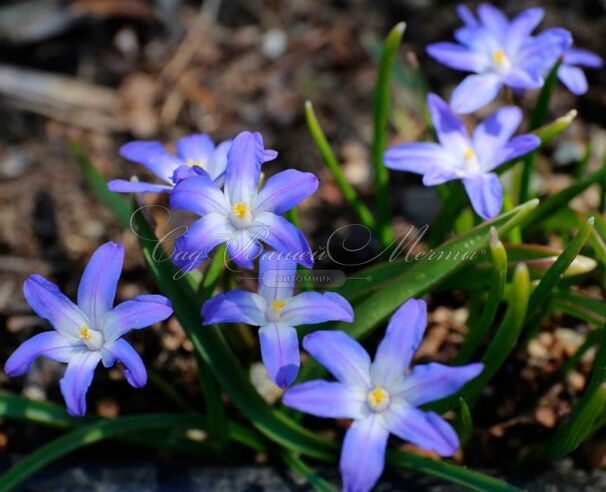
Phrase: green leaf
{"type": "Point", "coordinates": [466, 422]}
{"type": "Point", "coordinates": [381, 108]}
{"type": "Point", "coordinates": [501, 345]}
{"type": "Point", "coordinates": [479, 328]}
{"type": "Point", "coordinates": [552, 204]}
{"type": "Point", "coordinates": [87, 435]}
{"type": "Point", "coordinates": [334, 167]}
{"type": "Point", "coordinates": [448, 471]}
{"type": "Point", "coordinates": [428, 272]}
{"type": "Point", "coordinates": [297, 465]}
{"type": "Point", "coordinates": [581, 306]}
{"type": "Point", "coordinates": [570, 434]}
{"type": "Point", "coordinates": [556, 271]}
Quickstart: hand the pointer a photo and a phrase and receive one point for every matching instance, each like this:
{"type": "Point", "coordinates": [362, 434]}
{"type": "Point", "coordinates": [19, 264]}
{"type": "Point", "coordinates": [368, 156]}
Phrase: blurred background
{"type": "Point", "coordinates": [102, 72]}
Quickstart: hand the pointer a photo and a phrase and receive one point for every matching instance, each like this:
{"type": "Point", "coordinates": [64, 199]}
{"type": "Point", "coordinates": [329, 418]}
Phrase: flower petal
{"type": "Point", "coordinates": [280, 353]}
{"type": "Point", "coordinates": [139, 312]}
{"type": "Point", "coordinates": [284, 237]}
{"type": "Point", "coordinates": [124, 186]}
{"type": "Point", "coordinates": [243, 247]}
{"type": "Point", "coordinates": [363, 454]}
{"type": "Point", "coordinates": [199, 194]}
{"type": "Point", "coordinates": [343, 356]}
{"type": "Point", "coordinates": [449, 127]}
{"type": "Point", "coordinates": [519, 78]}
{"type": "Point", "coordinates": [425, 429]}
{"type": "Point", "coordinates": [284, 191]}
{"type": "Point", "coordinates": [416, 157]}
{"type": "Point", "coordinates": [77, 379]}
{"type": "Point", "coordinates": [327, 399]}
{"type": "Point", "coordinates": [516, 147]}
{"type": "Point", "coordinates": [97, 289]}
{"type": "Point", "coordinates": [474, 92]}
{"type": "Point", "coordinates": [466, 15]}
{"type": "Point", "coordinates": [521, 26]}
{"type": "Point", "coordinates": [276, 276]}
{"type": "Point", "coordinates": [197, 147]}
{"type": "Point", "coordinates": [134, 368]}
{"type": "Point", "coordinates": [244, 168]}
{"type": "Point", "coordinates": [573, 78]}
{"type": "Point", "coordinates": [402, 339]}
{"type": "Point", "coordinates": [540, 53]}
{"type": "Point", "coordinates": [218, 161]}
{"type": "Point", "coordinates": [493, 133]}
{"type": "Point", "coordinates": [153, 156]}
{"type": "Point", "coordinates": [49, 344]}
{"type": "Point", "coordinates": [458, 57]}
{"type": "Point", "coordinates": [235, 306]}
{"type": "Point", "coordinates": [493, 19]}
{"type": "Point", "coordinates": [204, 235]}
{"type": "Point", "coordinates": [309, 308]}
{"type": "Point", "coordinates": [51, 304]}
{"type": "Point", "coordinates": [485, 193]}
{"type": "Point", "coordinates": [584, 58]}
{"type": "Point", "coordinates": [431, 382]}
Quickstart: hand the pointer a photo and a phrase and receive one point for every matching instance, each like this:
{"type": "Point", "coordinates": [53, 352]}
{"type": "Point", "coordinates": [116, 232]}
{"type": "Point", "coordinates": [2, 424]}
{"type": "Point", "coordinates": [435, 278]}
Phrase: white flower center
{"type": "Point", "coordinates": [91, 338]}
{"type": "Point", "coordinates": [470, 161]}
{"type": "Point", "coordinates": [275, 309]}
{"type": "Point", "coordinates": [240, 215]}
{"type": "Point", "coordinates": [501, 62]}
{"type": "Point", "coordinates": [377, 399]}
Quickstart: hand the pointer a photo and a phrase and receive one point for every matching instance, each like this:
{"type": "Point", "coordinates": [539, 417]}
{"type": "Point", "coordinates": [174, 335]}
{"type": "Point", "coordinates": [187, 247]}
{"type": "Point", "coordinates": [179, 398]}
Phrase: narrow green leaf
{"type": "Point", "coordinates": [381, 110]}
{"type": "Point", "coordinates": [592, 339]}
{"type": "Point", "coordinates": [427, 272]}
{"type": "Point", "coordinates": [556, 271]}
{"type": "Point", "coordinates": [581, 306]}
{"type": "Point", "coordinates": [87, 435]}
{"type": "Point", "coordinates": [331, 162]}
{"type": "Point", "coordinates": [501, 345]}
{"type": "Point", "coordinates": [479, 328]}
{"type": "Point", "coordinates": [552, 204]}
{"type": "Point", "coordinates": [296, 464]}
{"type": "Point", "coordinates": [570, 434]}
{"type": "Point", "coordinates": [550, 131]}
{"type": "Point", "coordinates": [450, 472]}
{"type": "Point", "coordinates": [466, 422]}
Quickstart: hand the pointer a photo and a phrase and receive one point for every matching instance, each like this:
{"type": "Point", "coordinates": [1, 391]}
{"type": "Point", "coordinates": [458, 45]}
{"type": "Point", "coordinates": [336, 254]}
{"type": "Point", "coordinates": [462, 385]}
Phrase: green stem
{"type": "Point", "coordinates": [381, 111]}
{"type": "Point", "coordinates": [360, 209]}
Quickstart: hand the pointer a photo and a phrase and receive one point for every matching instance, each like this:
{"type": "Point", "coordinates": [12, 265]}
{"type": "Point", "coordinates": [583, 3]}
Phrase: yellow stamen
{"type": "Point", "coordinates": [240, 210]}
{"type": "Point", "coordinates": [469, 154]}
{"type": "Point", "coordinates": [278, 305]}
{"type": "Point", "coordinates": [192, 163]}
{"type": "Point", "coordinates": [85, 333]}
{"type": "Point", "coordinates": [499, 57]}
{"type": "Point", "coordinates": [378, 399]}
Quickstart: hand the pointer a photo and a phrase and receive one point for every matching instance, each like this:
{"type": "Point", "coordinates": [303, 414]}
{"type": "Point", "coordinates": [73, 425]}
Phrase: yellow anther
{"type": "Point", "coordinates": [469, 154]}
{"type": "Point", "coordinates": [240, 210]}
{"type": "Point", "coordinates": [85, 333]}
{"type": "Point", "coordinates": [499, 57]}
{"type": "Point", "coordinates": [192, 163]}
{"type": "Point", "coordinates": [378, 399]}
{"type": "Point", "coordinates": [278, 305]}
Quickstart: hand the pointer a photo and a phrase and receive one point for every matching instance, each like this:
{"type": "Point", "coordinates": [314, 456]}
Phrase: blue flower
{"type": "Point", "coordinates": [276, 311]}
{"type": "Point", "coordinates": [379, 396]}
{"type": "Point", "coordinates": [196, 154]}
{"type": "Point", "coordinates": [242, 216]}
{"type": "Point", "coordinates": [569, 72]}
{"type": "Point", "coordinates": [91, 331]}
{"type": "Point", "coordinates": [457, 156]}
{"type": "Point", "coordinates": [499, 52]}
